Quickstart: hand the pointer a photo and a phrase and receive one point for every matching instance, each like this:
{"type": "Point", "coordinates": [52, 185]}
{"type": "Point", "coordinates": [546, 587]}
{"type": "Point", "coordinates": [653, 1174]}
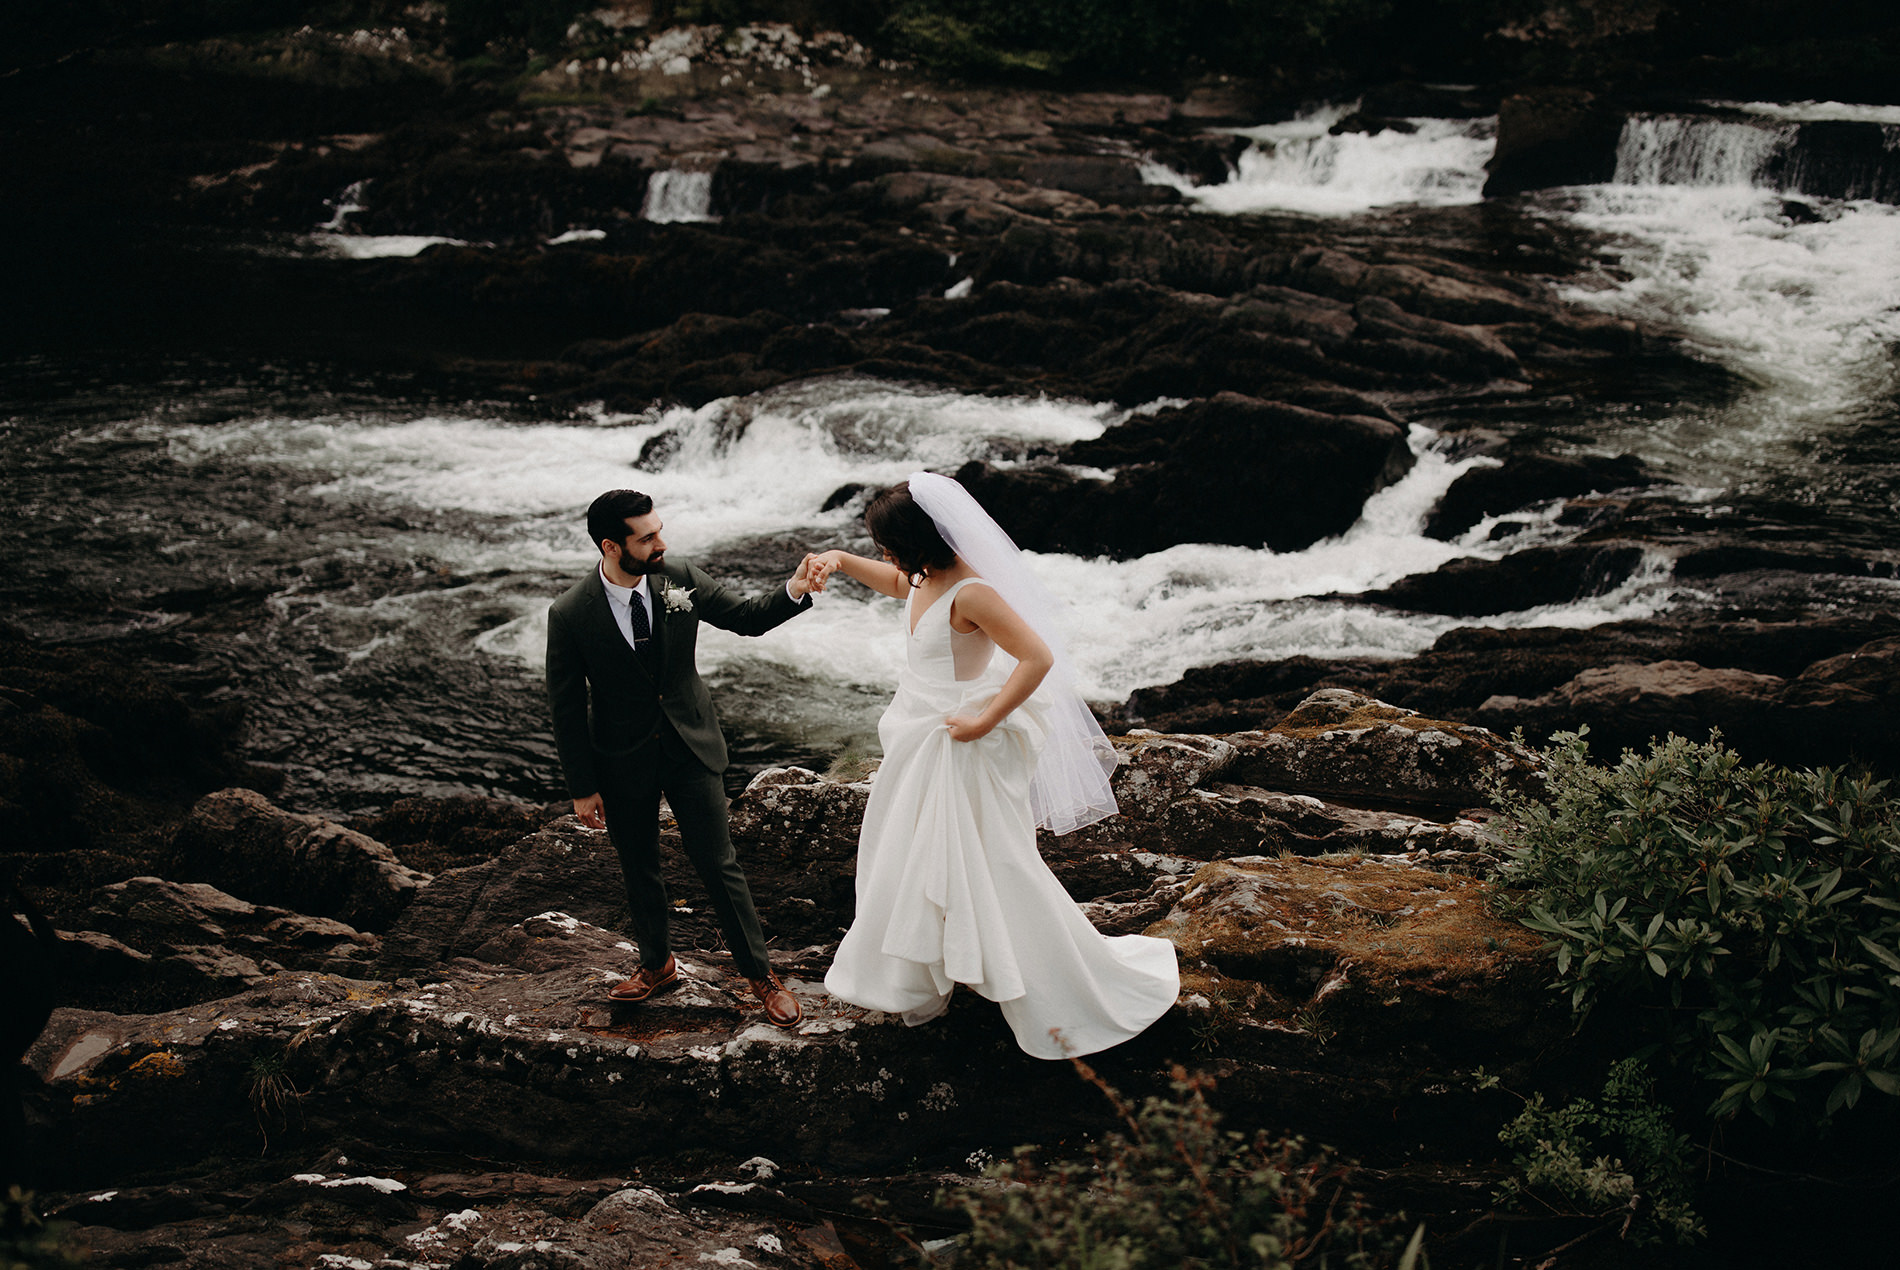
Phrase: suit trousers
{"type": "Point", "coordinates": [631, 785]}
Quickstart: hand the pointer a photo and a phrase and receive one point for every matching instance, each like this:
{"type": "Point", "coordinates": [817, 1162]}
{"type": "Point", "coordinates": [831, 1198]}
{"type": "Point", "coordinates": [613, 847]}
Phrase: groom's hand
{"type": "Point", "coordinates": [809, 577]}
{"type": "Point", "coordinates": [591, 811]}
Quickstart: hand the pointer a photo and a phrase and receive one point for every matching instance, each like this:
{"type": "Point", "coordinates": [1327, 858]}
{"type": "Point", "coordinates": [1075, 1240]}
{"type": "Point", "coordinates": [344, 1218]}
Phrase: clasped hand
{"type": "Point", "coordinates": [812, 574]}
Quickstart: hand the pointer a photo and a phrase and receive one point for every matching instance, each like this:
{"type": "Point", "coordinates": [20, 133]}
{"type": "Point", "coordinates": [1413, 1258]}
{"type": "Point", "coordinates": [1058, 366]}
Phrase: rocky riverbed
{"type": "Point", "coordinates": [359, 1024]}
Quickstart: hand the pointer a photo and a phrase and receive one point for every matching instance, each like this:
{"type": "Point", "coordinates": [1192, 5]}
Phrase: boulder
{"type": "Point", "coordinates": [1554, 136]}
{"type": "Point", "coordinates": [527, 1059]}
{"type": "Point", "coordinates": [1297, 957]}
{"type": "Point", "coordinates": [433, 834]}
{"type": "Point", "coordinates": [1522, 481]}
{"type": "Point", "coordinates": [1473, 586]}
{"type": "Point", "coordinates": [1232, 469]}
{"type": "Point", "coordinates": [159, 943]}
{"type": "Point", "coordinates": [237, 841]}
{"type": "Point", "coordinates": [1824, 717]}
{"type": "Point", "coordinates": [1343, 745]}
{"type": "Point", "coordinates": [1187, 799]}
{"type": "Point", "coordinates": [90, 760]}
{"type": "Point", "coordinates": [565, 867]}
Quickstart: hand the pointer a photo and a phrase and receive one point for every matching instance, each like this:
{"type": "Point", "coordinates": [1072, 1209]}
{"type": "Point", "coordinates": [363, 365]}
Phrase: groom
{"type": "Point", "coordinates": [633, 720]}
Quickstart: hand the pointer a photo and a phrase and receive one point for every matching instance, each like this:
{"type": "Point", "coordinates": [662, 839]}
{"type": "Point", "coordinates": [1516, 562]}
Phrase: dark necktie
{"type": "Point", "coordinates": [642, 629]}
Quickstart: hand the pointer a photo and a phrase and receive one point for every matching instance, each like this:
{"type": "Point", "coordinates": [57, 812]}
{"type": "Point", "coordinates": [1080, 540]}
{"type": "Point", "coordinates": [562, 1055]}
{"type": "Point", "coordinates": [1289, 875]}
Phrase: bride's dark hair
{"type": "Point", "coordinates": [898, 525]}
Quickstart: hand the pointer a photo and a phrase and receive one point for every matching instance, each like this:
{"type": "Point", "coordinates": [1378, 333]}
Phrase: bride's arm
{"type": "Point", "coordinates": [983, 608]}
{"type": "Point", "coordinates": [879, 575]}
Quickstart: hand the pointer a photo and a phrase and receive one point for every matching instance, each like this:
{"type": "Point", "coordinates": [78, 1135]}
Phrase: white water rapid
{"type": "Point", "coordinates": [756, 470]}
{"type": "Point", "coordinates": [1301, 166]}
{"type": "Point", "coordinates": [1799, 296]}
{"type": "Point", "coordinates": [676, 196]}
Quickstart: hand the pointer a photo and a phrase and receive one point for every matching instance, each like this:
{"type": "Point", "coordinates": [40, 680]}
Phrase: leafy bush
{"type": "Point", "coordinates": [1753, 913]}
{"type": "Point", "coordinates": [30, 1242]}
{"type": "Point", "coordinates": [1619, 1159]}
{"type": "Point", "coordinates": [1176, 1190]}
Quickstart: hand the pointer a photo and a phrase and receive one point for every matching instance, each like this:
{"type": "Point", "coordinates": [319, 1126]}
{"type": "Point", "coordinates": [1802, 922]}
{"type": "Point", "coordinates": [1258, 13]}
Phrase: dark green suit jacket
{"type": "Point", "coordinates": [606, 700]}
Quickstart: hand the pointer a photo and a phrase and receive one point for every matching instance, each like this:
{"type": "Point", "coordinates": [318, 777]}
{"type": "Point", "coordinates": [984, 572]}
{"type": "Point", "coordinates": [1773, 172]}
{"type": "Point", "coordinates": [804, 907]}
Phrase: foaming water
{"type": "Point", "coordinates": [1797, 296]}
{"type": "Point", "coordinates": [1302, 166]}
{"type": "Point", "coordinates": [373, 579]}
{"type": "Point", "coordinates": [745, 472]}
{"type": "Point", "coordinates": [1672, 150]}
{"type": "Point", "coordinates": [1816, 111]}
{"type": "Point", "coordinates": [673, 197]}
{"type": "Point", "coordinates": [376, 246]}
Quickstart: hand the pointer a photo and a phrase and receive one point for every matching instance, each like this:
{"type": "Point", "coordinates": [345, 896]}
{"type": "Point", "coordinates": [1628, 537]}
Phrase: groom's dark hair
{"type": "Point", "coordinates": [607, 515]}
{"type": "Point", "coordinates": [904, 529]}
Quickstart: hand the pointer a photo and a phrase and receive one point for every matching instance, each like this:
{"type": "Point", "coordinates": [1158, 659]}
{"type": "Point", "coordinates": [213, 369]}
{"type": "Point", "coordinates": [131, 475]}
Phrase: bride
{"type": "Point", "coordinates": [978, 751]}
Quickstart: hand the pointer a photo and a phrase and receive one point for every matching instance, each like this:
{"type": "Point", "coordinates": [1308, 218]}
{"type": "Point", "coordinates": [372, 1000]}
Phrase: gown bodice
{"type": "Point", "coordinates": [939, 651]}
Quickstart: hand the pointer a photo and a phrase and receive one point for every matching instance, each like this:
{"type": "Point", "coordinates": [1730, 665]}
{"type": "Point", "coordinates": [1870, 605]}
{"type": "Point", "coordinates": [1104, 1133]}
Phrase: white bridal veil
{"type": "Point", "coordinates": [1070, 788]}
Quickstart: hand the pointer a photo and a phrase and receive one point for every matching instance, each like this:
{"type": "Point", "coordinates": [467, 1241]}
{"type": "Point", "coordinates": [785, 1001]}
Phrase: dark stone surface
{"type": "Point", "coordinates": [1475, 587]}
{"type": "Point", "coordinates": [1524, 480]}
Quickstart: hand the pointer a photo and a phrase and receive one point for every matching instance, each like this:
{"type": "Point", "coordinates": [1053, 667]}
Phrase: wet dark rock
{"type": "Point", "coordinates": [1503, 679]}
{"type": "Point", "coordinates": [157, 942]}
{"type": "Point", "coordinates": [1475, 587]}
{"type": "Point", "coordinates": [1525, 480]}
{"type": "Point", "coordinates": [1099, 178]}
{"type": "Point", "coordinates": [562, 867]}
{"type": "Point", "coordinates": [511, 1048]}
{"type": "Point", "coordinates": [238, 841]}
{"type": "Point", "coordinates": [91, 758]}
{"type": "Point", "coordinates": [1839, 159]}
{"type": "Point", "coordinates": [1361, 122]}
{"type": "Point", "coordinates": [1232, 469]}
{"type": "Point", "coordinates": [1554, 136]}
{"type": "Point", "coordinates": [1727, 558]}
{"type": "Point", "coordinates": [1841, 710]}
{"type": "Point", "coordinates": [434, 834]}
{"type": "Point", "coordinates": [1339, 744]}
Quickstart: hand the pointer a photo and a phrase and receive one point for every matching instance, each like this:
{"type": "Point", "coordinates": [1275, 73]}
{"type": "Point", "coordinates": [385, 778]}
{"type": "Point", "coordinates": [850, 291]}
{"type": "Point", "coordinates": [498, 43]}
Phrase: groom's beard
{"type": "Point", "coordinates": [634, 568]}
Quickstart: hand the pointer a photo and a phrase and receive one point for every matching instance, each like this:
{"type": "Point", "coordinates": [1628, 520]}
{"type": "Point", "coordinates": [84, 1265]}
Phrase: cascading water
{"type": "Point", "coordinates": [1304, 166]}
{"type": "Point", "coordinates": [1681, 151]}
{"type": "Point", "coordinates": [1846, 153]}
{"type": "Point", "coordinates": [675, 196]}
{"type": "Point", "coordinates": [409, 556]}
{"type": "Point", "coordinates": [1706, 233]}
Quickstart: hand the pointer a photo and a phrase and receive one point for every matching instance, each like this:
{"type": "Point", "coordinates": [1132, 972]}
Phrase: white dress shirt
{"type": "Point", "coordinates": [620, 602]}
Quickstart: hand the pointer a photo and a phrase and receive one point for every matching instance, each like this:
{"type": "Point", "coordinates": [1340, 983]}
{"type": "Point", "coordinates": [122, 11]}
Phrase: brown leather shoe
{"type": "Point", "coordinates": [781, 1007]}
{"type": "Point", "coordinates": [646, 983]}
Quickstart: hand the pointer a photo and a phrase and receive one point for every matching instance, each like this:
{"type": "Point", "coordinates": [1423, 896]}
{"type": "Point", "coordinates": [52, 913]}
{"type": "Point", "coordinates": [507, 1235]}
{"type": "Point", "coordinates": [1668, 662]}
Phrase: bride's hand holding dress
{"type": "Point", "coordinates": [950, 886]}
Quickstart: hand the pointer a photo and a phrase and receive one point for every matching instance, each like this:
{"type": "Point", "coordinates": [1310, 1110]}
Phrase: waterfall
{"type": "Point", "coordinates": [1845, 155]}
{"type": "Point", "coordinates": [674, 196]}
{"type": "Point", "coordinates": [1302, 165]}
{"type": "Point", "coordinates": [347, 203]}
{"type": "Point", "coordinates": [1672, 150]}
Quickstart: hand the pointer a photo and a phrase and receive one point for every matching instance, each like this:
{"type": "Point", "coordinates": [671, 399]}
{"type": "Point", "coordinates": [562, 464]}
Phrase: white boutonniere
{"type": "Point", "coordinates": [678, 599]}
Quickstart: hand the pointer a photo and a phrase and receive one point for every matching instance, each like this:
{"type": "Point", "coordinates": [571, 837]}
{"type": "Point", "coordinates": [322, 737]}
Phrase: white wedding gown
{"type": "Point", "coordinates": [950, 887]}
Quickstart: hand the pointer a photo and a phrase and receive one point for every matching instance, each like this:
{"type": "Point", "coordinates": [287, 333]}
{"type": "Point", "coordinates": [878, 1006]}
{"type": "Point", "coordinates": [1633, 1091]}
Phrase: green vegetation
{"type": "Point", "coordinates": [30, 1242]}
{"type": "Point", "coordinates": [1742, 923]}
{"type": "Point", "coordinates": [1175, 1190]}
{"type": "Point", "coordinates": [1618, 1159]}
{"type": "Point", "coordinates": [273, 1096]}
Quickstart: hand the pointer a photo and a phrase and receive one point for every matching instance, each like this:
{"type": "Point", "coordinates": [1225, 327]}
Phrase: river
{"type": "Point", "coordinates": [366, 566]}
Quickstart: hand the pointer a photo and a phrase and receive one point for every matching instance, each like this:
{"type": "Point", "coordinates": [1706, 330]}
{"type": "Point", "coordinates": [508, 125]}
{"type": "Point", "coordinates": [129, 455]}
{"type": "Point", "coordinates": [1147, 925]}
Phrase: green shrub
{"type": "Point", "coordinates": [1619, 1159]}
{"type": "Point", "coordinates": [1745, 920]}
{"type": "Point", "coordinates": [1175, 1190]}
{"type": "Point", "coordinates": [30, 1242]}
